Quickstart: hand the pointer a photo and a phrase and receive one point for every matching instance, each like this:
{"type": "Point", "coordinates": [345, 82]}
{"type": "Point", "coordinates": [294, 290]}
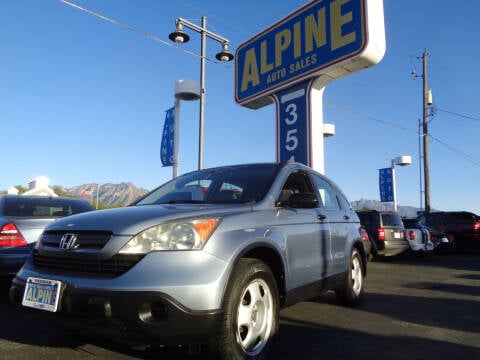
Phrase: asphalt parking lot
{"type": "Point", "coordinates": [414, 308]}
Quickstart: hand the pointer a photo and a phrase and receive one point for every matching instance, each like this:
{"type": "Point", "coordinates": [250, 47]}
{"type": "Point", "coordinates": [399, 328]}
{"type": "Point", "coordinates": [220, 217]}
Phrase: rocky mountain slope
{"type": "Point", "coordinates": [108, 194]}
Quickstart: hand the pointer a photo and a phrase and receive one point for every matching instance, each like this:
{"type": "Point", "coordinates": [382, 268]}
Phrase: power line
{"type": "Point", "coordinates": [458, 152]}
{"type": "Point", "coordinates": [457, 114]}
{"type": "Point", "coordinates": [384, 122]}
{"type": "Point", "coordinates": [139, 32]}
{"type": "Point", "coordinates": [389, 123]}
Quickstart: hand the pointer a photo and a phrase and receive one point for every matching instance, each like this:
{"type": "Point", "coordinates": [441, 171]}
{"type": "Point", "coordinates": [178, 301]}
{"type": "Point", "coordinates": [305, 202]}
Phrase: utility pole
{"type": "Point", "coordinates": [426, 169]}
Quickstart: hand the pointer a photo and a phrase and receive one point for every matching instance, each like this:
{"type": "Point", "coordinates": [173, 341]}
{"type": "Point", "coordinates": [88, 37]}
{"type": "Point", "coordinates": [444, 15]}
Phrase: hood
{"type": "Point", "coordinates": [133, 219]}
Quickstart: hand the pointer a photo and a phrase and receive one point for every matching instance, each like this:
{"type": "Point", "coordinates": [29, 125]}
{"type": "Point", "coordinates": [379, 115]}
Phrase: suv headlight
{"type": "Point", "coordinates": [176, 235]}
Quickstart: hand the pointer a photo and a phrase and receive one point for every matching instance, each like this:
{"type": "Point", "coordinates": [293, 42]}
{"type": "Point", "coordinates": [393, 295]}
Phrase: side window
{"type": "Point", "coordinates": [342, 200]}
{"type": "Point", "coordinates": [325, 193]}
{"type": "Point", "coordinates": [297, 182]}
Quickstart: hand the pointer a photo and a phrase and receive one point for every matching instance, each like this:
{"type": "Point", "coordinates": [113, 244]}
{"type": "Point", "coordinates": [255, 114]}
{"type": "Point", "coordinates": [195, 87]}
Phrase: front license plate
{"type": "Point", "coordinates": [42, 294]}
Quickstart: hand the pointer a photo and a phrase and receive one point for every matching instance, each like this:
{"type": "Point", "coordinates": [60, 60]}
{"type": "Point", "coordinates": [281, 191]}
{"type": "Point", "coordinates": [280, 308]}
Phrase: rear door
{"type": "Point", "coordinates": [332, 210]}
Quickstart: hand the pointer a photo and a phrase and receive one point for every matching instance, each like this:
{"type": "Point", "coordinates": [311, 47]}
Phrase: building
{"type": "Point", "coordinates": [37, 186]}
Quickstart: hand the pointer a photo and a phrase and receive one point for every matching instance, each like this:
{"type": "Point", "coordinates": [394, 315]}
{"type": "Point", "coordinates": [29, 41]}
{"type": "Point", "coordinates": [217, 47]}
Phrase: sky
{"type": "Point", "coordinates": [83, 98]}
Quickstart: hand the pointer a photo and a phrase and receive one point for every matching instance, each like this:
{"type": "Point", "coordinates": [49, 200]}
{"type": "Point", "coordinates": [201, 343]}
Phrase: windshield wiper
{"type": "Point", "coordinates": [184, 202]}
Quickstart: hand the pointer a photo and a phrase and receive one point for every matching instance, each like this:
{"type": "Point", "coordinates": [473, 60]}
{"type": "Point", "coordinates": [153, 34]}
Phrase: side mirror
{"type": "Point", "coordinates": [303, 200]}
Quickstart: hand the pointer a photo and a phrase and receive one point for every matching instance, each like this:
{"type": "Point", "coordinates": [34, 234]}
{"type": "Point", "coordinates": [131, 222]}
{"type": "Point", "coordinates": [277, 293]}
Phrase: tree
{"type": "Point", "coordinates": [21, 189]}
{"type": "Point", "coordinates": [60, 191]}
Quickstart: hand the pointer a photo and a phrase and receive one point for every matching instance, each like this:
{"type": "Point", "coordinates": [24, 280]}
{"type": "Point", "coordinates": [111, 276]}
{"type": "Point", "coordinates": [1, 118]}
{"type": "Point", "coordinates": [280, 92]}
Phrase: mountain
{"type": "Point", "coordinates": [109, 194]}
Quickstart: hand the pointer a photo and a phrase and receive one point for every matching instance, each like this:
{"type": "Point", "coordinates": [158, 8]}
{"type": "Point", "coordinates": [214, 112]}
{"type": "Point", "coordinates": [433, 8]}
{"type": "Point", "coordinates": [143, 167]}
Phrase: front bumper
{"type": "Point", "coordinates": [166, 298]}
{"type": "Point", "coordinates": [136, 318]}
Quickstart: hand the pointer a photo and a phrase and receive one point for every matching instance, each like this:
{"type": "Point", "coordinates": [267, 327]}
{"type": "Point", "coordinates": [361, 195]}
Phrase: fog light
{"type": "Point", "coordinates": [153, 312]}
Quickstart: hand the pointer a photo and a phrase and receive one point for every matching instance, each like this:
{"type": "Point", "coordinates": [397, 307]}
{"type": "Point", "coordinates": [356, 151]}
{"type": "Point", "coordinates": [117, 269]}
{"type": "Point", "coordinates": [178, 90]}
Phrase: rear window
{"type": "Point", "coordinates": [43, 207]}
{"type": "Point", "coordinates": [392, 219]}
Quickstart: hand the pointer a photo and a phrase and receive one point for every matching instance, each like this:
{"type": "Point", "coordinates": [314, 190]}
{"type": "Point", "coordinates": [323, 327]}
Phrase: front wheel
{"type": "Point", "coordinates": [251, 313]}
{"type": "Point", "coordinates": [351, 291]}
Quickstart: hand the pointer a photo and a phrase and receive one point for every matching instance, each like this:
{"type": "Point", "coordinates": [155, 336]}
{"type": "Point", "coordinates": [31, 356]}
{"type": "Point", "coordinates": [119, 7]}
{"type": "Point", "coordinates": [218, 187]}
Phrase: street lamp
{"type": "Point", "coordinates": [184, 90]}
{"type": "Point", "coordinates": [401, 161]}
{"type": "Point", "coordinates": [180, 36]}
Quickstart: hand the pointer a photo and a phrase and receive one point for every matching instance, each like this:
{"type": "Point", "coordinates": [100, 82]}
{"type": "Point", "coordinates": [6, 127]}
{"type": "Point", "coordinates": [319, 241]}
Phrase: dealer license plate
{"type": "Point", "coordinates": [42, 294]}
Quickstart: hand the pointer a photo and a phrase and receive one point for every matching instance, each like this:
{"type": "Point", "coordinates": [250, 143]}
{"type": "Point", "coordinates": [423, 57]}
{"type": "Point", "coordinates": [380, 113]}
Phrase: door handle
{"type": "Point", "coordinates": [346, 217]}
{"type": "Point", "coordinates": [321, 217]}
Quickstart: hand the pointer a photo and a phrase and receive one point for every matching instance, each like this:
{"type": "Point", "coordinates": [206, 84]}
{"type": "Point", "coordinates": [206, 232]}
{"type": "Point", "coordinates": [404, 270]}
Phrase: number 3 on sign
{"type": "Point", "coordinates": [291, 109]}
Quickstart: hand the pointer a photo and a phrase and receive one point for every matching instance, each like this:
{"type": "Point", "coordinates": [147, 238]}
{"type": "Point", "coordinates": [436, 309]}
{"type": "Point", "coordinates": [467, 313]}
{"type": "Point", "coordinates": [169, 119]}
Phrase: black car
{"type": "Point", "coordinates": [22, 220]}
{"type": "Point", "coordinates": [386, 232]}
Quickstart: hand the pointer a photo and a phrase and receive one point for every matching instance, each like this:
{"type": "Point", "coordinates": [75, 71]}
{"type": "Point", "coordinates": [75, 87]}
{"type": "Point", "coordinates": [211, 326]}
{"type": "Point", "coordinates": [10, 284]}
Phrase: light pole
{"type": "Point", "coordinates": [401, 161]}
{"type": "Point", "coordinates": [180, 36]}
{"type": "Point", "coordinates": [184, 90]}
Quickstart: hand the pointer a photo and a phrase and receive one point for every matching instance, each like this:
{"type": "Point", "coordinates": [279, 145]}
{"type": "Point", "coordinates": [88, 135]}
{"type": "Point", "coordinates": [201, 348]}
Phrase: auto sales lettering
{"type": "Point", "coordinates": [313, 38]}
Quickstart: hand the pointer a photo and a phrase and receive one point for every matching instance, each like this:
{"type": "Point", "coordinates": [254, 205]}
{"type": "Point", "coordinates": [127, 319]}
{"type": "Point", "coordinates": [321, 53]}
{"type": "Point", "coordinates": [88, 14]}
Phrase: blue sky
{"type": "Point", "coordinates": [83, 100]}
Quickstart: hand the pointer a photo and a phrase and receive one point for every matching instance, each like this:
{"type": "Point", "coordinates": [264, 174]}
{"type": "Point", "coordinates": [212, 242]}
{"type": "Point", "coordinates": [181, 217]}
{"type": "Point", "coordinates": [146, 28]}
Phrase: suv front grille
{"type": "Point", "coordinates": [81, 259]}
{"type": "Point", "coordinates": [92, 240]}
{"type": "Point", "coordinates": [115, 266]}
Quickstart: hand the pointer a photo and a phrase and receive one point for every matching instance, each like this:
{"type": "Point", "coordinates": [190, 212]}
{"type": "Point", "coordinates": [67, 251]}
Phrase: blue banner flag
{"type": "Point", "coordinates": [166, 149]}
{"type": "Point", "coordinates": [386, 184]}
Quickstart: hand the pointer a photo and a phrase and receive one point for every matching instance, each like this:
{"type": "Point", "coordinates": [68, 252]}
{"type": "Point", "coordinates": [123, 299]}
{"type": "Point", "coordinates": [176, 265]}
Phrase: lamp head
{"type": "Point", "coordinates": [179, 35]}
{"type": "Point", "coordinates": [402, 160]}
{"type": "Point", "coordinates": [224, 55]}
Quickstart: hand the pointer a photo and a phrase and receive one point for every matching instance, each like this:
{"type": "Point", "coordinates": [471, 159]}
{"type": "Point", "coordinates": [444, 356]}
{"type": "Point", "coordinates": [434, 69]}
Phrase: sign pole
{"type": "Point", "coordinates": [176, 132]}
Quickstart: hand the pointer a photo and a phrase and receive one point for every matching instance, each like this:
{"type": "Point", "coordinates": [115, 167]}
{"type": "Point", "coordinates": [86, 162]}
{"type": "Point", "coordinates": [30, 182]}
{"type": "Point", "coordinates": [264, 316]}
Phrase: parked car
{"type": "Point", "coordinates": [424, 238]}
{"type": "Point", "coordinates": [207, 258]}
{"type": "Point", "coordinates": [22, 220]}
{"type": "Point", "coordinates": [417, 236]}
{"type": "Point", "coordinates": [463, 226]}
{"type": "Point", "coordinates": [386, 231]}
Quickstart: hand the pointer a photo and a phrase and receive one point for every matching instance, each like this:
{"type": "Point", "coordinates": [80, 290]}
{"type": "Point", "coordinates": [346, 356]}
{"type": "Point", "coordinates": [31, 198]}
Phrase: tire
{"type": "Point", "coordinates": [351, 292]}
{"type": "Point", "coordinates": [251, 313]}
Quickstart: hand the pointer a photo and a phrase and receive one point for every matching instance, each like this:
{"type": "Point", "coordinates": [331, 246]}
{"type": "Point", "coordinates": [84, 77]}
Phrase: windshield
{"type": "Point", "coordinates": [230, 184]}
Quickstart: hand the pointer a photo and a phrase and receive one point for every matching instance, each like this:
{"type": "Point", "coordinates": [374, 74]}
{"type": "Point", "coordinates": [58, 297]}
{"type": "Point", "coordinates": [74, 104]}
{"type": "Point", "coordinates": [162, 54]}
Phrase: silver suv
{"type": "Point", "coordinates": [207, 258]}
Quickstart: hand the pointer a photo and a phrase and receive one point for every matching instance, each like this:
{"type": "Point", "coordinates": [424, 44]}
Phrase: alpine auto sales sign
{"type": "Point", "coordinates": [324, 37]}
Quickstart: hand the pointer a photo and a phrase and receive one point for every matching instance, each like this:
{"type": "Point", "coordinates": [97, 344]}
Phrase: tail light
{"type": "Point", "coordinates": [411, 235]}
{"type": "Point", "coordinates": [10, 236]}
{"type": "Point", "coordinates": [381, 234]}
{"type": "Point", "coordinates": [433, 238]}
{"type": "Point", "coordinates": [363, 234]}
{"type": "Point", "coordinates": [476, 226]}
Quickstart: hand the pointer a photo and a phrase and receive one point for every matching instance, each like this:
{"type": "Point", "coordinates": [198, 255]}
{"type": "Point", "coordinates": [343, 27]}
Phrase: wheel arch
{"type": "Point", "coordinates": [270, 256]}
